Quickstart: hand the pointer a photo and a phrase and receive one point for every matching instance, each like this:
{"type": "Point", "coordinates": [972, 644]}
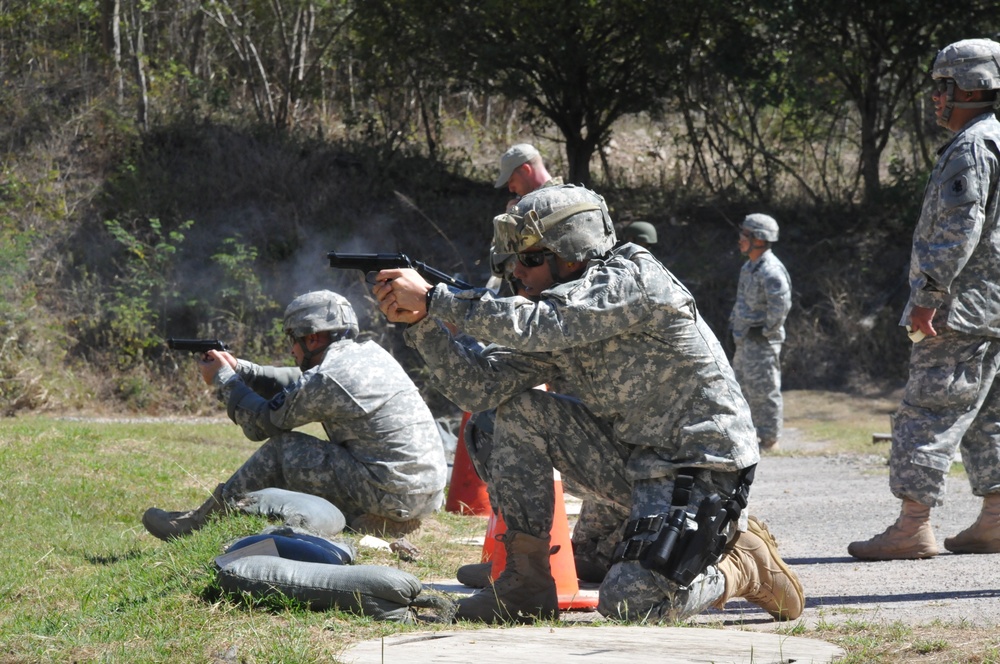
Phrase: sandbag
{"type": "Point", "coordinates": [300, 511]}
{"type": "Point", "coordinates": [383, 593]}
{"type": "Point", "coordinates": [300, 546]}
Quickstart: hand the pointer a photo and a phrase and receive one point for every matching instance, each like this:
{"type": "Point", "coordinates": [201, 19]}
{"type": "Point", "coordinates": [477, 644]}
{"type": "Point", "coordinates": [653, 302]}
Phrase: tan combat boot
{"type": "Point", "coordinates": [168, 525]}
{"type": "Point", "coordinates": [984, 535]}
{"type": "Point", "coordinates": [754, 570]}
{"type": "Point", "coordinates": [768, 444]}
{"type": "Point", "coordinates": [524, 590]}
{"type": "Point", "coordinates": [909, 538]}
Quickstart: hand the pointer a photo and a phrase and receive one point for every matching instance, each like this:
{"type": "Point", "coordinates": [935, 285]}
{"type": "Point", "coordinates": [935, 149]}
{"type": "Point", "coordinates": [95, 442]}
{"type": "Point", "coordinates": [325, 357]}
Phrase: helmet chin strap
{"type": "Point", "coordinates": [950, 104]}
{"type": "Point", "coordinates": [553, 269]}
{"type": "Point", "coordinates": [309, 355]}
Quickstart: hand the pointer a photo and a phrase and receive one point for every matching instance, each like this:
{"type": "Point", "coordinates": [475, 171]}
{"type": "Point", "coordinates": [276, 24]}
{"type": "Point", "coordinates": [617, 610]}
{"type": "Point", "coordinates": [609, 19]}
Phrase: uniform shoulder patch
{"type": "Point", "coordinates": [960, 189]}
{"type": "Point", "coordinates": [277, 401]}
{"type": "Point", "coordinates": [959, 180]}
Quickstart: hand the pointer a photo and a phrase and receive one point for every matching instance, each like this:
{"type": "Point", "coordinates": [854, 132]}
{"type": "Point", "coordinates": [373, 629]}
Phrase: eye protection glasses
{"type": "Point", "coordinates": [942, 85]}
{"type": "Point", "coordinates": [534, 258]}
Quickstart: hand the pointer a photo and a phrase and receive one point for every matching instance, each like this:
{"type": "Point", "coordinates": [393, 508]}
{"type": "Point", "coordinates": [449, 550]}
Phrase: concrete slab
{"type": "Point", "coordinates": [632, 644]}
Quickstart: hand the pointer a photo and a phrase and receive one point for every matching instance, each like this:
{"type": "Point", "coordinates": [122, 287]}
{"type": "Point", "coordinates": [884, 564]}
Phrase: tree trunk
{"type": "Point", "coordinates": [115, 23]}
{"type": "Point", "coordinates": [138, 51]}
{"type": "Point", "coordinates": [578, 153]}
{"type": "Point", "coordinates": [870, 153]}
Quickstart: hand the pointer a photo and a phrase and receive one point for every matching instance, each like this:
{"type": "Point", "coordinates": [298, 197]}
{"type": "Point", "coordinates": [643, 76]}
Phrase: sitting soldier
{"type": "Point", "coordinates": [383, 464]}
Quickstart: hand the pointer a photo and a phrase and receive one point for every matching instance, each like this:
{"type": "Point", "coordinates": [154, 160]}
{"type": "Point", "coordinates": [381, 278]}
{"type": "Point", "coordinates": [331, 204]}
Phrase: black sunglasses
{"type": "Point", "coordinates": [534, 258]}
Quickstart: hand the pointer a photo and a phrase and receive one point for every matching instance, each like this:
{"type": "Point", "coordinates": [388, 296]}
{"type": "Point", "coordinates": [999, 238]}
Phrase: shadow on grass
{"type": "Point", "coordinates": [113, 558]}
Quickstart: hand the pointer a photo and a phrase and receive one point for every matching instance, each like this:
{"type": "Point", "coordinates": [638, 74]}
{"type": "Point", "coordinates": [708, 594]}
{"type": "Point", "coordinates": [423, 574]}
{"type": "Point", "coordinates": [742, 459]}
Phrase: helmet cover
{"type": "Point", "coordinates": [320, 311]}
{"type": "Point", "coordinates": [571, 221]}
{"type": "Point", "coordinates": [974, 64]}
{"type": "Point", "coordinates": [761, 227]}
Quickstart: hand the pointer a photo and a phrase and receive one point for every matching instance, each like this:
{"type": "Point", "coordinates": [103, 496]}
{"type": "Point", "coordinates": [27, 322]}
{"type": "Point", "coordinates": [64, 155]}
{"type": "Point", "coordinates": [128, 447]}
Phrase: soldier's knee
{"type": "Point", "coordinates": [630, 592]}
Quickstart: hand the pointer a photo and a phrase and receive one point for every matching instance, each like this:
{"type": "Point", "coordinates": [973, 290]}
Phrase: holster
{"type": "Point", "coordinates": [679, 545]}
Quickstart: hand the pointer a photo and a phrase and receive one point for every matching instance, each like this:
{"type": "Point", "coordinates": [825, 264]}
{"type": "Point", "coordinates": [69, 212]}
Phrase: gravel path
{"type": "Point", "coordinates": [815, 506]}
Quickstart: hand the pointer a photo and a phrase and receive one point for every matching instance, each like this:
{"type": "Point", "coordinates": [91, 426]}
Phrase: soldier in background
{"type": "Point", "coordinates": [952, 397]}
{"type": "Point", "coordinates": [522, 171]}
{"type": "Point", "coordinates": [383, 465]}
{"type": "Point", "coordinates": [757, 322]}
{"type": "Point", "coordinates": [641, 233]}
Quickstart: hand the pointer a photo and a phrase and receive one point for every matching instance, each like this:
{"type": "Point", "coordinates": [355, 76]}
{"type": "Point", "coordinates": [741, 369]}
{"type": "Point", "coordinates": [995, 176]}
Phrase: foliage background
{"type": "Point", "coordinates": [180, 168]}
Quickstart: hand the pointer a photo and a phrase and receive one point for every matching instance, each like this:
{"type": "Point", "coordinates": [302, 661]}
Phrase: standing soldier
{"type": "Point", "coordinates": [763, 299]}
{"type": "Point", "coordinates": [953, 316]}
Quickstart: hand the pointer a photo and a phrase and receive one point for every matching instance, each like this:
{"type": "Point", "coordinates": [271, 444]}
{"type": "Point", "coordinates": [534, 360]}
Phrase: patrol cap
{"type": "Point", "coordinates": [320, 311]}
{"type": "Point", "coordinates": [517, 155]}
{"type": "Point", "coordinates": [640, 231]}
{"type": "Point", "coordinates": [761, 227]}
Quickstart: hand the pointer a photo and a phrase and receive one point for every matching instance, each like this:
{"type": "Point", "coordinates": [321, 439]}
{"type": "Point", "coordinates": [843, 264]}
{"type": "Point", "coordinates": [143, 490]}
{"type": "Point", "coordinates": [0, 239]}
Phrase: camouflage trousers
{"type": "Point", "coordinates": [299, 462]}
{"type": "Point", "coordinates": [537, 431]}
{"type": "Point", "coordinates": [598, 527]}
{"type": "Point", "coordinates": [757, 365]}
{"type": "Point", "coordinates": [952, 398]}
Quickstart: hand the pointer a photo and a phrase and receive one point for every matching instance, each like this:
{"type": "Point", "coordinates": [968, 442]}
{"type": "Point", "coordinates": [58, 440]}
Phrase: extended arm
{"type": "Point", "coordinates": [474, 378]}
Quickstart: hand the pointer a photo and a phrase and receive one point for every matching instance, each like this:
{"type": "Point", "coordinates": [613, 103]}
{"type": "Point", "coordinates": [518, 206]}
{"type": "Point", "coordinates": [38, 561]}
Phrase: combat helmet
{"type": "Point", "coordinates": [571, 221]}
{"type": "Point", "coordinates": [973, 64]}
{"type": "Point", "coordinates": [320, 311]}
{"type": "Point", "coordinates": [640, 231]}
{"type": "Point", "coordinates": [761, 227]}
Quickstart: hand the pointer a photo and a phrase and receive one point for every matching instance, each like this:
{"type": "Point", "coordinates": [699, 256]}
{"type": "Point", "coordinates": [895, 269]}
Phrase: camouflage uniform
{"type": "Point", "coordinates": [384, 454]}
{"type": "Point", "coordinates": [653, 394]}
{"type": "Point", "coordinates": [599, 525]}
{"type": "Point", "coordinates": [955, 269]}
{"type": "Point", "coordinates": [763, 299]}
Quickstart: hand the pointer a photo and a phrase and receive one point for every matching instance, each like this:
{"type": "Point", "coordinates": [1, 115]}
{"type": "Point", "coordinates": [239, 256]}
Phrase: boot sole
{"type": "Point", "coordinates": [903, 555]}
{"type": "Point", "coordinates": [762, 532]}
{"type": "Point", "coordinates": [499, 614]}
{"type": "Point", "coordinates": [994, 548]}
{"type": "Point", "coordinates": [153, 527]}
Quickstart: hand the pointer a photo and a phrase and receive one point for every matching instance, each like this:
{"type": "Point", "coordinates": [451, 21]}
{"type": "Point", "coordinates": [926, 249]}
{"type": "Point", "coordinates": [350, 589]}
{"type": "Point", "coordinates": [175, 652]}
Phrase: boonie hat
{"type": "Point", "coordinates": [517, 155]}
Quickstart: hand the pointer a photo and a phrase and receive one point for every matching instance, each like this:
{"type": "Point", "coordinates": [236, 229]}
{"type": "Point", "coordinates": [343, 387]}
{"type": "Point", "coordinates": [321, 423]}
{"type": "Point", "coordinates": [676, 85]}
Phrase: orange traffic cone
{"type": "Point", "coordinates": [562, 564]}
{"type": "Point", "coordinates": [467, 493]}
{"type": "Point", "coordinates": [495, 526]}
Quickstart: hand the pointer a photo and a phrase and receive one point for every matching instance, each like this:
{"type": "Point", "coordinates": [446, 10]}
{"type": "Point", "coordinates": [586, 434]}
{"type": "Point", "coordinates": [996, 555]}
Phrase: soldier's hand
{"type": "Point", "coordinates": [921, 319]}
{"type": "Point", "coordinates": [402, 295]}
{"type": "Point", "coordinates": [211, 362]}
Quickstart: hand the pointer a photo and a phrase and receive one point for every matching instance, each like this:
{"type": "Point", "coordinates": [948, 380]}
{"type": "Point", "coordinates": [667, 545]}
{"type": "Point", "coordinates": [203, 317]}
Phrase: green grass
{"type": "Point", "coordinates": [82, 581]}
